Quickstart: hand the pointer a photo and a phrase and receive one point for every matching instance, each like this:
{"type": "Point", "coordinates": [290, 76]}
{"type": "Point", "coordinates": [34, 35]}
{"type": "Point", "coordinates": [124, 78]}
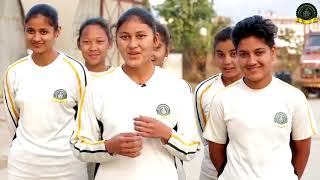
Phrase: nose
{"type": "Point", "coordinates": [93, 46]}
{"type": "Point", "coordinates": [36, 37]}
{"type": "Point", "coordinates": [227, 60]}
{"type": "Point", "coordinates": [252, 60]}
{"type": "Point", "coordinates": [133, 43]}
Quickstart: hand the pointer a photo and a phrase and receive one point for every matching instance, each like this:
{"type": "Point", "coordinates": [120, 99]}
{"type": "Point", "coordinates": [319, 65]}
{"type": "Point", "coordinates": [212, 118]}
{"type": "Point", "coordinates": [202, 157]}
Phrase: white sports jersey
{"type": "Point", "coordinates": [259, 123]}
{"type": "Point", "coordinates": [41, 103]}
{"type": "Point", "coordinates": [204, 94]}
{"type": "Point", "coordinates": [108, 109]}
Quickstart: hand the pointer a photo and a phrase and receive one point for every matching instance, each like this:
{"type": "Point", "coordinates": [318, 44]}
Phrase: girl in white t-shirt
{"type": "Point", "coordinates": [127, 119]}
{"type": "Point", "coordinates": [41, 95]}
{"type": "Point", "coordinates": [253, 121]}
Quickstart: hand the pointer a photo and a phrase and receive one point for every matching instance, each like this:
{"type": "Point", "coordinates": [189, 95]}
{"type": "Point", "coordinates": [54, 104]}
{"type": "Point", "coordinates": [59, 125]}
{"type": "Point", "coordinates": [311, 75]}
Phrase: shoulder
{"type": "Point", "coordinates": [73, 62]}
{"type": "Point", "coordinates": [172, 81]}
{"type": "Point", "coordinates": [205, 84]}
{"type": "Point", "coordinates": [292, 93]}
{"type": "Point", "coordinates": [17, 65]}
{"type": "Point", "coordinates": [231, 91]}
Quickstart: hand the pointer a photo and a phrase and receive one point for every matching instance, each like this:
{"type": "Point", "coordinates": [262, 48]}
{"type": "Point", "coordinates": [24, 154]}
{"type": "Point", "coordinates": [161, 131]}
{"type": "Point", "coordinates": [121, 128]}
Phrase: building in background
{"type": "Point", "coordinates": [12, 45]}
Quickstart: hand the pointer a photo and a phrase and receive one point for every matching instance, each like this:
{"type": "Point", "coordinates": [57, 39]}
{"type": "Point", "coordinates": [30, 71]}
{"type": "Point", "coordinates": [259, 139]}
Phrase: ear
{"type": "Point", "coordinates": [167, 52]}
{"type": "Point", "coordinates": [156, 40]}
{"type": "Point", "coordinates": [273, 53]}
{"type": "Point", "coordinates": [57, 32]}
{"type": "Point", "coordinates": [78, 43]}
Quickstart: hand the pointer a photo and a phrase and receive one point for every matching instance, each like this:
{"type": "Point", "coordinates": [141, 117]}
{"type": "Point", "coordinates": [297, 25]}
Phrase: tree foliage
{"type": "Point", "coordinates": [185, 20]}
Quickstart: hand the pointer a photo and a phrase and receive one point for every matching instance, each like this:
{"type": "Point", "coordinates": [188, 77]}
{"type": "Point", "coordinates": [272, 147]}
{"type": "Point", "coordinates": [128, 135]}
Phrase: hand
{"type": "Point", "coordinates": [152, 128]}
{"type": "Point", "coordinates": [125, 144]}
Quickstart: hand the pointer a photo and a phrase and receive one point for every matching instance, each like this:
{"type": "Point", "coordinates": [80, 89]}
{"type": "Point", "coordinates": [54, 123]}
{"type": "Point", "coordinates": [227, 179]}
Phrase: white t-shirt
{"type": "Point", "coordinates": [41, 104]}
{"type": "Point", "coordinates": [258, 124]}
{"type": "Point", "coordinates": [108, 109]}
{"type": "Point", "coordinates": [204, 93]}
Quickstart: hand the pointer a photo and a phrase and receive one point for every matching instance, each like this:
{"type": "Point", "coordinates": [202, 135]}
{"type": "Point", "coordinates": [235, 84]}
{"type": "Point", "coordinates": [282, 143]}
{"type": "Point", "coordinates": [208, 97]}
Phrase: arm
{"type": "Point", "coordinates": [216, 134]}
{"type": "Point", "coordinates": [201, 107]}
{"type": "Point", "coordinates": [218, 155]}
{"type": "Point", "coordinates": [301, 151]}
{"type": "Point", "coordinates": [12, 111]}
{"type": "Point", "coordinates": [86, 140]}
{"type": "Point", "coordinates": [303, 127]}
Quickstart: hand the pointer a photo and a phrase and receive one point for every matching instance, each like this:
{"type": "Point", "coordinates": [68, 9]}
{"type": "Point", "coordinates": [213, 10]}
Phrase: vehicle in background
{"type": "Point", "coordinates": [284, 76]}
{"type": "Point", "coordinates": [310, 65]}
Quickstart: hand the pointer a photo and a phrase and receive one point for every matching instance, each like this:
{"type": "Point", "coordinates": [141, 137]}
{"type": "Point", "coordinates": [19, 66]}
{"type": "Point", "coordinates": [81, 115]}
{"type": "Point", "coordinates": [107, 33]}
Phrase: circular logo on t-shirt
{"type": "Point", "coordinates": [281, 119]}
{"type": "Point", "coordinates": [163, 110]}
{"type": "Point", "coordinates": [60, 94]}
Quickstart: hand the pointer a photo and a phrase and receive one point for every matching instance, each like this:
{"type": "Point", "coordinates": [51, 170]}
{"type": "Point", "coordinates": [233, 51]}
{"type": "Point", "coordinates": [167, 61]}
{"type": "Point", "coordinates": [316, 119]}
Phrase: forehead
{"type": "Point", "coordinates": [134, 25]}
{"type": "Point", "coordinates": [38, 21]}
{"type": "Point", "coordinates": [226, 45]}
{"type": "Point", "coordinates": [252, 43]}
{"type": "Point", "coordinates": [93, 30]}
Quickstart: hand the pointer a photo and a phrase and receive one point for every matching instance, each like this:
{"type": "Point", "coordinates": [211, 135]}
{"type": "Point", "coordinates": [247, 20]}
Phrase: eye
{"type": "Point", "coordinates": [233, 54]}
{"type": "Point", "coordinates": [124, 37]}
{"type": "Point", "coordinates": [30, 31]}
{"type": "Point", "coordinates": [259, 53]}
{"type": "Point", "coordinates": [85, 42]}
{"type": "Point", "coordinates": [141, 36]}
{"type": "Point", "coordinates": [220, 55]}
{"type": "Point", "coordinates": [43, 32]}
{"type": "Point", "coordinates": [243, 54]}
{"type": "Point", "coordinates": [100, 41]}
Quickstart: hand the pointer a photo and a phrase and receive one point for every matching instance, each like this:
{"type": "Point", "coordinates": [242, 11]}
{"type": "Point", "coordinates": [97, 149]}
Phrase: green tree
{"type": "Point", "coordinates": [190, 23]}
{"type": "Point", "coordinates": [290, 54]}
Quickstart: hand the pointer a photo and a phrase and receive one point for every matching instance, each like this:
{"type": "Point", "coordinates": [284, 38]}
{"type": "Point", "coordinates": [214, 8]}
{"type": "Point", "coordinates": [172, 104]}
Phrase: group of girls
{"type": "Point", "coordinates": [134, 119]}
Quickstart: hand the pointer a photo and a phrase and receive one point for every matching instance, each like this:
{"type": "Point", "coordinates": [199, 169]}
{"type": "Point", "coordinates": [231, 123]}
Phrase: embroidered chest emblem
{"type": "Point", "coordinates": [281, 119]}
{"type": "Point", "coordinates": [60, 96]}
{"type": "Point", "coordinates": [163, 110]}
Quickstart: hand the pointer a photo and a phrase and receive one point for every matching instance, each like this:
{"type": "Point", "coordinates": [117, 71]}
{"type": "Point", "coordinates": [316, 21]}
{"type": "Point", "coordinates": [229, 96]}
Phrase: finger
{"type": "Point", "coordinates": [128, 134]}
{"type": "Point", "coordinates": [130, 138]}
{"type": "Point", "coordinates": [131, 150]}
{"type": "Point", "coordinates": [143, 129]}
{"type": "Point", "coordinates": [141, 124]}
{"type": "Point", "coordinates": [144, 134]}
{"type": "Point", "coordinates": [143, 119]}
{"type": "Point", "coordinates": [132, 154]}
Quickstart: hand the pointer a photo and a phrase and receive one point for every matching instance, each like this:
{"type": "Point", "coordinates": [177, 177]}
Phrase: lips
{"type": "Point", "coordinates": [133, 54]}
{"type": "Point", "coordinates": [93, 55]}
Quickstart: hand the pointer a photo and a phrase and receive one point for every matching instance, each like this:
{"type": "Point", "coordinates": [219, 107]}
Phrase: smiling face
{"type": "Point", "coordinates": [94, 45]}
{"type": "Point", "coordinates": [226, 57]}
{"type": "Point", "coordinates": [40, 35]}
{"type": "Point", "coordinates": [159, 54]}
{"type": "Point", "coordinates": [136, 42]}
{"type": "Point", "coordinates": [255, 59]}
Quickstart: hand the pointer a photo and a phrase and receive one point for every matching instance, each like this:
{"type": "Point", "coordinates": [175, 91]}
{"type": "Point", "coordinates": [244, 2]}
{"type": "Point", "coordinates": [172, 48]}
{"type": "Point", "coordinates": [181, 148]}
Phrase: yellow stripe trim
{"type": "Point", "coordinates": [80, 112]}
{"type": "Point", "coordinates": [77, 75]}
{"type": "Point", "coordinates": [201, 104]}
{"type": "Point", "coordinates": [185, 143]}
{"type": "Point", "coordinates": [313, 129]}
{"type": "Point", "coordinates": [84, 141]}
{"type": "Point", "coordinates": [12, 104]}
{"type": "Point", "coordinates": [103, 74]}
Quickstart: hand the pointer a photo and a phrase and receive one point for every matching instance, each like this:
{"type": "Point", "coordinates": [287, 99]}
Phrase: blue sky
{"type": "Point", "coordinates": [239, 9]}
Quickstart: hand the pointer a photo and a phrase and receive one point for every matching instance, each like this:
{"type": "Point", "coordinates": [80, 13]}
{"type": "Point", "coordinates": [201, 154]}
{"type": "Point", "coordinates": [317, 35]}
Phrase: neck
{"type": "Point", "coordinates": [44, 59]}
{"type": "Point", "coordinates": [139, 75]}
{"type": "Point", "coordinates": [258, 84]}
{"type": "Point", "coordinates": [97, 68]}
{"type": "Point", "coordinates": [228, 81]}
